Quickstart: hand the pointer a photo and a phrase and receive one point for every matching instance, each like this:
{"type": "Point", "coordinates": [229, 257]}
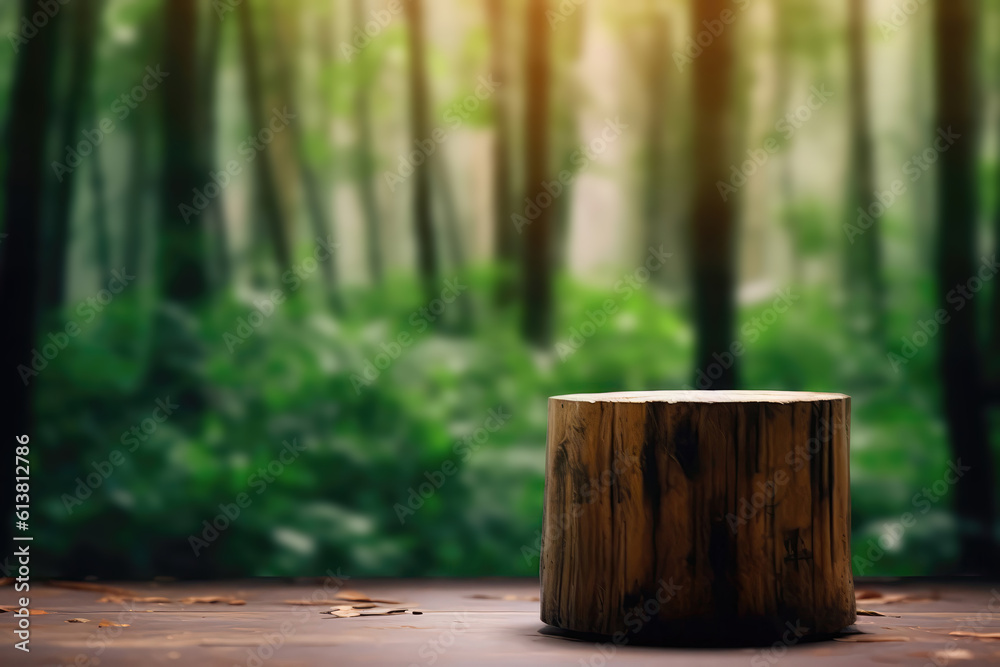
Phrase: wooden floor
{"type": "Point", "coordinates": [461, 622]}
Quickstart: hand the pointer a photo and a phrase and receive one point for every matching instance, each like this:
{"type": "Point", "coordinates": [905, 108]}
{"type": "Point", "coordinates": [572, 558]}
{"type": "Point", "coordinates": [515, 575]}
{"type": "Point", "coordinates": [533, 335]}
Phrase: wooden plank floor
{"type": "Point", "coordinates": [462, 622]}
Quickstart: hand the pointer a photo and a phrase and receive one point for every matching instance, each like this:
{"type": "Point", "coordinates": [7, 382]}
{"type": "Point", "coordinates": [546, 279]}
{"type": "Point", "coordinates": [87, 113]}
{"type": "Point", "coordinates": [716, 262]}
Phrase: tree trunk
{"type": "Point", "coordinates": [567, 132]}
{"type": "Point", "coordinates": [956, 263]}
{"type": "Point", "coordinates": [207, 99]}
{"type": "Point", "coordinates": [85, 15]}
{"type": "Point", "coordinates": [25, 133]}
{"type": "Point", "coordinates": [504, 241]}
{"type": "Point", "coordinates": [865, 263]}
{"type": "Point", "coordinates": [453, 232]}
{"type": "Point", "coordinates": [712, 513]}
{"type": "Point", "coordinates": [268, 195]}
{"type": "Point", "coordinates": [537, 285]}
{"type": "Point", "coordinates": [713, 220]}
{"type": "Point", "coordinates": [365, 156]}
{"type": "Point", "coordinates": [786, 187]}
{"type": "Point", "coordinates": [655, 176]}
{"type": "Point", "coordinates": [182, 246]}
{"type": "Point", "coordinates": [995, 310]}
{"type": "Point", "coordinates": [102, 234]}
{"type": "Point", "coordinates": [316, 205]}
{"type": "Point", "coordinates": [420, 129]}
{"type": "Point", "coordinates": [135, 199]}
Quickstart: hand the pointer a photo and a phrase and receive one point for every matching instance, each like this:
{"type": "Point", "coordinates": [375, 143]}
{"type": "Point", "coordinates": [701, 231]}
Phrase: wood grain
{"type": "Point", "coordinates": [697, 515]}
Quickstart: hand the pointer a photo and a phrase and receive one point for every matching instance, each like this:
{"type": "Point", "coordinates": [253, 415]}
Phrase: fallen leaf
{"type": "Point", "coordinates": [952, 654]}
{"type": "Point", "coordinates": [6, 581]}
{"type": "Point", "coordinates": [31, 612]}
{"type": "Point", "coordinates": [875, 597]}
{"type": "Point", "coordinates": [977, 635]}
{"type": "Point", "coordinates": [78, 620]}
{"type": "Point", "coordinates": [212, 599]}
{"type": "Point", "coordinates": [96, 588]}
{"type": "Point", "coordinates": [866, 612]}
{"type": "Point", "coordinates": [108, 624]}
{"type": "Point", "coordinates": [350, 612]}
{"type": "Point", "coordinates": [872, 638]}
{"type": "Point", "coordinates": [117, 599]}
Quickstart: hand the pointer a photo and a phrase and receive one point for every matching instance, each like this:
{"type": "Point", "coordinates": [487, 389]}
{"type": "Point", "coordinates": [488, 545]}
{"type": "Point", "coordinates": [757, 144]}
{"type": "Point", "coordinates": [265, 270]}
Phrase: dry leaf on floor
{"type": "Point", "coordinates": [108, 624]}
{"type": "Point", "coordinates": [6, 581]}
{"type": "Point", "coordinates": [866, 612]}
{"type": "Point", "coordinates": [942, 657]}
{"type": "Point", "coordinates": [78, 620]}
{"type": "Point", "coordinates": [350, 612]}
{"type": "Point", "coordinates": [31, 612]}
{"type": "Point", "coordinates": [866, 593]}
{"type": "Point", "coordinates": [872, 638]}
{"type": "Point", "coordinates": [118, 599]}
{"type": "Point", "coordinates": [977, 635]}
{"type": "Point", "coordinates": [96, 588]}
{"type": "Point", "coordinates": [212, 599]}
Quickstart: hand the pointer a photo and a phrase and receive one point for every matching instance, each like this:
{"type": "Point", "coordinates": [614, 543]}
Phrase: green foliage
{"type": "Point", "coordinates": [300, 377]}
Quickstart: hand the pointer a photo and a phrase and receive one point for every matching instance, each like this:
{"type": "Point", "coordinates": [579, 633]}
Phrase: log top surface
{"type": "Point", "coordinates": [703, 397]}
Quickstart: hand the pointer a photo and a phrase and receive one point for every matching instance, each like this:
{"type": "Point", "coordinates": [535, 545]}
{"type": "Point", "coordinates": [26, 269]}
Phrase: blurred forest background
{"type": "Point", "coordinates": [285, 285]}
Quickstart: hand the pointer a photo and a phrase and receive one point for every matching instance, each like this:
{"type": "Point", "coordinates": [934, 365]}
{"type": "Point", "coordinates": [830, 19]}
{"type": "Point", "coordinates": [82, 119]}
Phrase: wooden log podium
{"type": "Point", "coordinates": [720, 517]}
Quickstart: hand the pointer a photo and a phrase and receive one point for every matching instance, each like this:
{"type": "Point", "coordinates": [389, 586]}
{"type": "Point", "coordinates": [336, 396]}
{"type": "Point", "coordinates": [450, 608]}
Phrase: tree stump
{"type": "Point", "coordinates": [698, 515]}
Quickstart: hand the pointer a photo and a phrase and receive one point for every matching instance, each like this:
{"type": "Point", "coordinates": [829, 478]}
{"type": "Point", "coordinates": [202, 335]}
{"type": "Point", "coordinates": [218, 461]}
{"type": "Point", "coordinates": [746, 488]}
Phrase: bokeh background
{"type": "Point", "coordinates": [285, 285]}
